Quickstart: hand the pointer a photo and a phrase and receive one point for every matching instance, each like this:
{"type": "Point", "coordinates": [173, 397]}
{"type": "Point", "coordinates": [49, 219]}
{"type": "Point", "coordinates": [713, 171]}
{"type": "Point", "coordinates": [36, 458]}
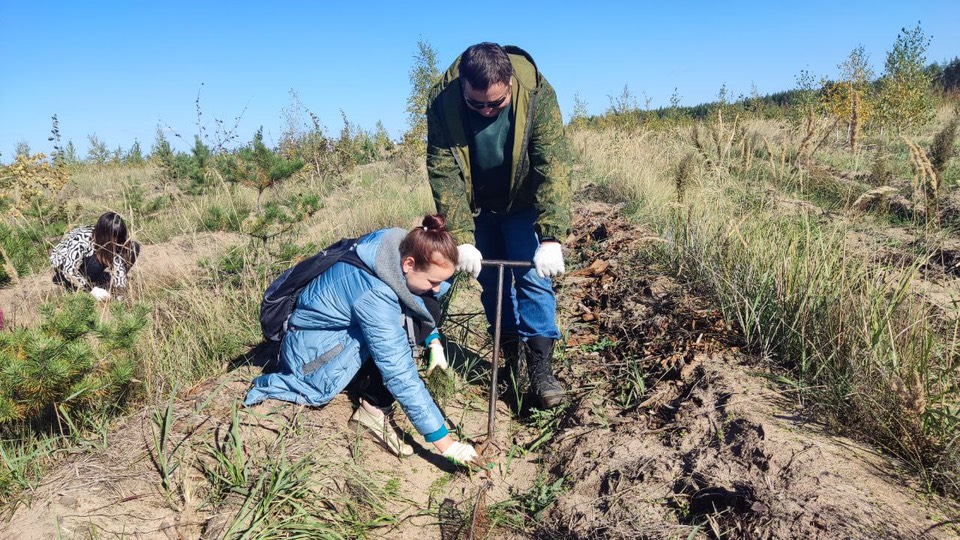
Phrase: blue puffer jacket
{"type": "Point", "coordinates": [344, 316]}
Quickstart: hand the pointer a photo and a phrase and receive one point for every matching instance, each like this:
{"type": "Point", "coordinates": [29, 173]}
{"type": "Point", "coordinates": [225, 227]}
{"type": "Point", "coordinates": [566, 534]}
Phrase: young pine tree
{"type": "Point", "coordinates": [76, 361]}
{"type": "Point", "coordinates": [258, 167]}
{"type": "Point", "coordinates": [135, 155]}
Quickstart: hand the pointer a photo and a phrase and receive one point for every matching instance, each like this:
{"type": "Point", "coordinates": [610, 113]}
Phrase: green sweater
{"type": "Point", "coordinates": [539, 156]}
{"type": "Point", "coordinates": [490, 159]}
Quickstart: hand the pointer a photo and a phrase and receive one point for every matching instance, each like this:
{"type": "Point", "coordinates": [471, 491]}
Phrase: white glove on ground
{"type": "Point", "coordinates": [100, 294]}
{"type": "Point", "coordinates": [438, 359]}
{"type": "Point", "coordinates": [469, 259]}
{"type": "Point", "coordinates": [548, 260]}
{"type": "Point", "coordinates": [460, 453]}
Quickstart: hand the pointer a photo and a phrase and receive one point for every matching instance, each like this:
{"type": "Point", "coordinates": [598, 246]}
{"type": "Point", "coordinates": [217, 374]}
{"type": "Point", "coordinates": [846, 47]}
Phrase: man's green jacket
{"type": "Point", "coordinates": [540, 172]}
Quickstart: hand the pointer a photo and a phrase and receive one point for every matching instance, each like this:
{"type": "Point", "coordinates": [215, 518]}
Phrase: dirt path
{"type": "Point", "coordinates": [670, 435]}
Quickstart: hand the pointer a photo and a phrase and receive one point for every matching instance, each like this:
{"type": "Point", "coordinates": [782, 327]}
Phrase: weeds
{"type": "Point", "coordinates": [285, 500]}
{"type": "Point", "coordinates": [631, 384]}
{"type": "Point", "coordinates": [230, 471]}
{"type": "Point", "coordinates": [164, 454]}
{"type": "Point", "coordinates": [941, 149]}
{"type": "Point", "coordinates": [848, 332]}
{"type": "Point", "coordinates": [880, 173]}
{"type": "Point", "coordinates": [22, 461]}
{"type": "Point", "coordinates": [526, 509]}
{"type": "Point", "coordinates": [925, 181]}
{"type": "Point", "coordinates": [547, 423]}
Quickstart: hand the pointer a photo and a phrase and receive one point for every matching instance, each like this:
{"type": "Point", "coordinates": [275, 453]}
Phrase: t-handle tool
{"type": "Point", "coordinates": [494, 364]}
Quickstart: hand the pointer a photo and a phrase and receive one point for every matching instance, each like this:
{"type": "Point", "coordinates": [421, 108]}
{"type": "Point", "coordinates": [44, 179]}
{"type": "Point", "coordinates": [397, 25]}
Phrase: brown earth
{"type": "Point", "coordinates": [672, 433]}
{"type": "Point", "coordinates": [714, 450]}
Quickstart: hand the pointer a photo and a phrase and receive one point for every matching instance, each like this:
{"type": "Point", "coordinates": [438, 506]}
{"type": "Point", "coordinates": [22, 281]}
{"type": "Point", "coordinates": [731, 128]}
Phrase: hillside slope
{"type": "Point", "coordinates": [672, 433]}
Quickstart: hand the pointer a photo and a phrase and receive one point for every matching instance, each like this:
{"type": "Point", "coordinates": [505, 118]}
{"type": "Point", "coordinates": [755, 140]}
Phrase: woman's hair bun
{"type": "Point", "coordinates": [434, 222]}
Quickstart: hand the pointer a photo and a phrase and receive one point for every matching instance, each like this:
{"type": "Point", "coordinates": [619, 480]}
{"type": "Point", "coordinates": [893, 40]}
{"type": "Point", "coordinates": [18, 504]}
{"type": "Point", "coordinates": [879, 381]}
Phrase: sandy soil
{"type": "Point", "coordinates": [710, 449]}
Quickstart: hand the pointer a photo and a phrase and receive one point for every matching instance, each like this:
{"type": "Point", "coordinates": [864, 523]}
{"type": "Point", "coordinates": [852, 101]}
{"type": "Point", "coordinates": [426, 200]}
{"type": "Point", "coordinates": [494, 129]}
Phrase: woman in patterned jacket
{"type": "Point", "coordinates": [95, 258]}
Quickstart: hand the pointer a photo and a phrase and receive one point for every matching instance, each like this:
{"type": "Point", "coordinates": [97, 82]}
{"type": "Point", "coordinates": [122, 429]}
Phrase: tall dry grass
{"type": "Point", "coordinates": [205, 316]}
{"type": "Point", "coordinates": [204, 297]}
{"type": "Point", "coordinates": [850, 338]}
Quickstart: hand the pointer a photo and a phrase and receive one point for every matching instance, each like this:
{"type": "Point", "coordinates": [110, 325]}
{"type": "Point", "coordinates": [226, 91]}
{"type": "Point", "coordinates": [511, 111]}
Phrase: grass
{"type": "Point", "coordinates": [230, 470]}
{"type": "Point", "coordinates": [203, 322]}
{"type": "Point", "coordinates": [274, 494]}
{"type": "Point", "coordinates": [858, 345]}
{"type": "Point", "coordinates": [164, 452]}
{"type": "Point", "coordinates": [871, 353]}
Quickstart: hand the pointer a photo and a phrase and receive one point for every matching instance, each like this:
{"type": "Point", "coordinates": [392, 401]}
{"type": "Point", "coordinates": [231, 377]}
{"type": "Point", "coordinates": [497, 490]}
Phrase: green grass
{"type": "Point", "coordinates": [525, 510]}
{"type": "Point", "coordinates": [876, 361]}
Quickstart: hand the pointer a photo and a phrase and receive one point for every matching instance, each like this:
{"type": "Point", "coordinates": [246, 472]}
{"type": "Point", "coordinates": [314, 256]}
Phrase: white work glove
{"type": "Point", "coordinates": [469, 259]}
{"type": "Point", "coordinates": [437, 358]}
{"type": "Point", "coordinates": [100, 294]}
{"type": "Point", "coordinates": [548, 260]}
{"type": "Point", "coordinates": [461, 454]}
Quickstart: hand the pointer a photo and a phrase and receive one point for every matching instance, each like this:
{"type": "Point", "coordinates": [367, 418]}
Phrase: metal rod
{"type": "Point", "coordinates": [511, 264]}
{"type": "Point", "coordinates": [495, 362]}
{"type": "Point", "coordinates": [492, 410]}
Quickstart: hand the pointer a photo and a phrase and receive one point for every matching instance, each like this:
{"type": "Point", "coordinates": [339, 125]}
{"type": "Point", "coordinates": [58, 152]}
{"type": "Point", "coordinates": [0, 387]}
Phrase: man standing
{"type": "Point", "coordinates": [499, 169]}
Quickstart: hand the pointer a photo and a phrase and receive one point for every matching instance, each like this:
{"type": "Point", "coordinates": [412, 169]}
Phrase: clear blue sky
{"type": "Point", "coordinates": [117, 69]}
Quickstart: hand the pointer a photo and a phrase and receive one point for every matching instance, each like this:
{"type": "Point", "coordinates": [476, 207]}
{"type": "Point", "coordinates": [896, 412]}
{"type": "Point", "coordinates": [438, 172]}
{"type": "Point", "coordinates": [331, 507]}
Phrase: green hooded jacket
{"type": "Point", "coordinates": [540, 172]}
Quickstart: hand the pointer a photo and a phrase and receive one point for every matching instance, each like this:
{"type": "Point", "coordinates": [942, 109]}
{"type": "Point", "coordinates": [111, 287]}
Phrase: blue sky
{"type": "Point", "coordinates": [118, 69]}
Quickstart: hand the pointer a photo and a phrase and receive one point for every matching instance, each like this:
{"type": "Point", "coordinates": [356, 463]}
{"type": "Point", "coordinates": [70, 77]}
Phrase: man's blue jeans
{"type": "Point", "coordinates": [529, 305]}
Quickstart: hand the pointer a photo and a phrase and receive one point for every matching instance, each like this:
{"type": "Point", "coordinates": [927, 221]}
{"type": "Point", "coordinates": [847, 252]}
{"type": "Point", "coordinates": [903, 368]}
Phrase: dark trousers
{"type": "Point", "coordinates": [368, 385]}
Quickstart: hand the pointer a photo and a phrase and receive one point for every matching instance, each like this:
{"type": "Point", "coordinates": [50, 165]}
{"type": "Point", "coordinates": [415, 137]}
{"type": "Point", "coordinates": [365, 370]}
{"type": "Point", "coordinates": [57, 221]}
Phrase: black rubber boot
{"type": "Point", "coordinates": [546, 388]}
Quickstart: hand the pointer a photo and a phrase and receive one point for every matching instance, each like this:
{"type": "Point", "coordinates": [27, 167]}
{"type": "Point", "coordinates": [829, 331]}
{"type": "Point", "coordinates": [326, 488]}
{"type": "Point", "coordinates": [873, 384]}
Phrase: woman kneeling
{"type": "Point", "coordinates": [347, 332]}
{"type": "Point", "coordinates": [95, 258]}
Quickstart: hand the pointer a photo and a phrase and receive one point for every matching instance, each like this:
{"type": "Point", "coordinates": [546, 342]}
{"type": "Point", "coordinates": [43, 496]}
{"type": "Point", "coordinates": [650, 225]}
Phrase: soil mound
{"type": "Point", "coordinates": [709, 449]}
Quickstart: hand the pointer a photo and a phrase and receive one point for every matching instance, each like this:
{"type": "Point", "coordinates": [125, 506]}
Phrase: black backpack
{"type": "Point", "coordinates": [281, 296]}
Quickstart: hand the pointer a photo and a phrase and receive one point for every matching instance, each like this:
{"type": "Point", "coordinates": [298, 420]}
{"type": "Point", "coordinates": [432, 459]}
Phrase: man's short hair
{"type": "Point", "coordinates": [484, 65]}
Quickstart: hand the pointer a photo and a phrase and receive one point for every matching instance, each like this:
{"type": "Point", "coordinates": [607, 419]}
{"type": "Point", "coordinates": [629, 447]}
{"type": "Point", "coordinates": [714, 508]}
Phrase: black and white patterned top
{"type": "Point", "coordinates": [69, 254]}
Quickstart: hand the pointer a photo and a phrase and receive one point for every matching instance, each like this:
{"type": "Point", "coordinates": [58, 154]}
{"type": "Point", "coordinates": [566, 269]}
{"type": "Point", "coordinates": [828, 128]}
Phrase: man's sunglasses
{"type": "Point", "coordinates": [480, 105]}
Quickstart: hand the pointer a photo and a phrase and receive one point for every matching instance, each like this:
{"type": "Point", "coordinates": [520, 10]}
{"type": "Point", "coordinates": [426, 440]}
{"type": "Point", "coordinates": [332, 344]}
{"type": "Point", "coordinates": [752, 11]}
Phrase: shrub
{"type": "Point", "coordinates": [26, 242]}
{"type": "Point", "coordinates": [76, 361]}
{"type": "Point", "coordinates": [941, 149]}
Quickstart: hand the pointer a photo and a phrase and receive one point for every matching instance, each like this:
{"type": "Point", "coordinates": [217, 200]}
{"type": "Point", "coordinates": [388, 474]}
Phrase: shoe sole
{"type": "Point", "coordinates": [550, 401]}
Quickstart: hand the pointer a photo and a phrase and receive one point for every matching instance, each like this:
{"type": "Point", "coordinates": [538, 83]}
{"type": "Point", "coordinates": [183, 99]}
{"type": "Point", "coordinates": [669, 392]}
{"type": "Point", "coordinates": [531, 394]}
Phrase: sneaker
{"type": "Point", "coordinates": [382, 431]}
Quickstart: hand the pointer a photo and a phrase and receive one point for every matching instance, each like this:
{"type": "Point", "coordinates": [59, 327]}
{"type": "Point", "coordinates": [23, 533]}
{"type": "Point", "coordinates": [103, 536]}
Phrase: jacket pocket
{"type": "Point", "coordinates": [321, 360]}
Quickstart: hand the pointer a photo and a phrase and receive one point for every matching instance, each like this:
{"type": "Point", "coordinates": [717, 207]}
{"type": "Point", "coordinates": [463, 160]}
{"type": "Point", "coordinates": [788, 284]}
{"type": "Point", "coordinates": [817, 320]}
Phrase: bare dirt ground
{"type": "Point", "coordinates": [706, 448]}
